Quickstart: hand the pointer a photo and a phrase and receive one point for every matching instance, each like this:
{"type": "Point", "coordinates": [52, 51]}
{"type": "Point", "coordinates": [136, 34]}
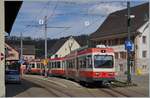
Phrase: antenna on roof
{"type": "Point", "coordinates": [100, 46]}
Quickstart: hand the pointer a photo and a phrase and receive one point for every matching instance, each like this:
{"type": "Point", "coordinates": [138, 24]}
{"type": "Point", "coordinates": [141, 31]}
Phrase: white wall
{"type": "Point", "coordinates": [15, 55]}
{"type": "Point", "coordinates": [143, 47]}
{"type": "Point", "coordinates": [120, 61]}
{"type": "Point", "coordinates": [2, 47]}
{"type": "Point", "coordinates": [29, 57]}
{"type": "Point", "coordinates": [64, 50]}
{"type": "Point", "coordinates": [140, 44]}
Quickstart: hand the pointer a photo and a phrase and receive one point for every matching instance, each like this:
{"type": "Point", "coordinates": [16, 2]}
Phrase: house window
{"type": "Point", "coordinates": [121, 67]}
{"type": "Point", "coordinates": [116, 55]}
{"type": "Point", "coordinates": [123, 55]}
{"type": "Point", "coordinates": [144, 67]}
{"type": "Point", "coordinates": [144, 39]}
{"type": "Point", "coordinates": [144, 54]}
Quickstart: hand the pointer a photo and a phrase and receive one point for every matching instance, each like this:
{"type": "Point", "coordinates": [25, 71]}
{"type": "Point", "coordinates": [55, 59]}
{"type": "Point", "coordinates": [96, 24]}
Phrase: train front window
{"type": "Point", "coordinates": [103, 61]}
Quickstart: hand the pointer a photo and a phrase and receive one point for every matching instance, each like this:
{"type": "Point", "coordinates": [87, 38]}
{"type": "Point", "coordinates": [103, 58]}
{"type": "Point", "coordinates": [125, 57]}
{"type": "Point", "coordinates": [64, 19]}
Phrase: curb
{"type": "Point", "coordinates": [119, 83]}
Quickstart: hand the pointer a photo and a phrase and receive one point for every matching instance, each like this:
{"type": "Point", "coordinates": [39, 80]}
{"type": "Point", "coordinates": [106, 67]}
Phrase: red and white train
{"type": "Point", "coordinates": [35, 67]}
{"type": "Point", "coordinates": [86, 65]}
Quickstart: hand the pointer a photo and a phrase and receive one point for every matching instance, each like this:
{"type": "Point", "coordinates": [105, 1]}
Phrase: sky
{"type": "Point", "coordinates": [77, 17]}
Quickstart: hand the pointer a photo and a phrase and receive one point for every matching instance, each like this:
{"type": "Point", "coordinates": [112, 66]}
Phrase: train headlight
{"type": "Point", "coordinates": [111, 74]}
{"type": "Point", "coordinates": [96, 73]}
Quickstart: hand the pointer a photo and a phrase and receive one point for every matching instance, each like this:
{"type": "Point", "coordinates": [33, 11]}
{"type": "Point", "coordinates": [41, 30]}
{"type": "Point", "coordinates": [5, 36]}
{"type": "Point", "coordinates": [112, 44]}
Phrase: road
{"type": "Point", "coordinates": [38, 86]}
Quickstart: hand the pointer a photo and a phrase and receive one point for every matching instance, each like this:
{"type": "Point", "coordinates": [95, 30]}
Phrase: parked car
{"type": "Point", "coordinates": [12, 76]}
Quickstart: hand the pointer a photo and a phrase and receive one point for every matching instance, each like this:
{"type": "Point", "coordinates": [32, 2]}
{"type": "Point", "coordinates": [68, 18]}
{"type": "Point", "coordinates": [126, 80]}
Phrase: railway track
{"type": "Point", "coordinates": [57, 92]}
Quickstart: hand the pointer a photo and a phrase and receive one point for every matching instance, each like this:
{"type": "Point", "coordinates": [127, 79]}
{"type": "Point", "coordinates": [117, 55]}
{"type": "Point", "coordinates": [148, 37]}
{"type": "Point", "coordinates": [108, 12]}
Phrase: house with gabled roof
{"type": "Point", "coordinates": [11, 53]}
{"type": "Point", "coordinates": [63, 47]}
{"type": "Point", "coordinates": [28, 51]}
{"type": "Point", "coordinates": [113, 33]}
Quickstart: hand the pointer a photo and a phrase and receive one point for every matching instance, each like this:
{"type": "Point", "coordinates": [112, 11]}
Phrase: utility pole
{"type": "Point", "coordinates": [41, 22]}
{"type": "Point", "coordinates": [128, 51]}
{"type": "Point", "coordinates": [45, 35]}
{"type": "Point", "coordinates": [21, 47]}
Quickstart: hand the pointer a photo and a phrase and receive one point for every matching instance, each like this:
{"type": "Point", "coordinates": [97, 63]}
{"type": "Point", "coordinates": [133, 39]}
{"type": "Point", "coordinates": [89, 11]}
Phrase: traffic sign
{"type": "Point", "coordinates": [45, 61]}
{"type": "Point", "coordinates": [128, 45]}
{"type": "Point", "coordinates": [21, 61]}
{"type": "Point", "coordinates": [1, 56]}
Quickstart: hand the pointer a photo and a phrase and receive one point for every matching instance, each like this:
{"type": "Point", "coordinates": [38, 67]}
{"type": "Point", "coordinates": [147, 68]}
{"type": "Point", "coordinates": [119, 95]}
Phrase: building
{"type": "Point", "coordinates": [28, 52]}
{"type": "Point", "coordinates": [113, 33]}
{"type": "Point", "coordinates": [6, 9]}
{"type": "Point", "coordinates": [11, 53]}
{"type": "Point", "coordinates": [63, 47]}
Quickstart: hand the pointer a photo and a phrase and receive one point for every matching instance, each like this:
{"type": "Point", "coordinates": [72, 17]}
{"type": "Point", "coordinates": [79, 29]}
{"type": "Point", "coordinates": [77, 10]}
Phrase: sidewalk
{"type": "Point", "coordinates": [142, 80]}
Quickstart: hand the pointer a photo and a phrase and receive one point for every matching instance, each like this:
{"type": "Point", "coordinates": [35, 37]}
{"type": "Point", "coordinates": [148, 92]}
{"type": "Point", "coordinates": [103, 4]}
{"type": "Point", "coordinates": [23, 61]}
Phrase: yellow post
{"type": "Point", "coordinates": [138, 71]}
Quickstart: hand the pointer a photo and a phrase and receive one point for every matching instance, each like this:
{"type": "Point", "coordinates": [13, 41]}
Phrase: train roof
{"type": "Point", "coordinates": [60, 58]}
{"type": "Point", "coordinates": [94, 50]}
{"type": "Point", "coordinates": [90, 50]}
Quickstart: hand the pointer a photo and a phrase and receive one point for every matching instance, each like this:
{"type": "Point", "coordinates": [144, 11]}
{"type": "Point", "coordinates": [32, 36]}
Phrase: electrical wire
{"type": "Point", "coordinates": [53, 11]}
{"type": "Point", "coordinates": [41, 11]}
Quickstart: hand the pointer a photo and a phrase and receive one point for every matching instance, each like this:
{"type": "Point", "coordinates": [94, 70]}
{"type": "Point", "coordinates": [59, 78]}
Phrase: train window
{"type": "Point", "coordinates": [72, 63]}
{"type": "Point", "coordinates": [55, 64]}
{"type": "Point", "coordinates": [48, 66]}
{"type": "Point", "coordinates": [63, 63]}
{"type": "Point", "coordinates": [58, 64]}
{"type": "Point", "coordinates": [82, 62]}
{"type": "Point", "coordinates": [42, 66]}
{"type": "Point", "coordinates": [103, 61]}
{"type": "Point", "coordinates": [38, 65]}
{"type": "Point", "coordinates": [51, 64]}
{"type": "Point", "coordinates": [67, 64]}
{"type": "Point", "coordinates": [89, 61]}
{"type": "Point", "coordinates": [33, 66]}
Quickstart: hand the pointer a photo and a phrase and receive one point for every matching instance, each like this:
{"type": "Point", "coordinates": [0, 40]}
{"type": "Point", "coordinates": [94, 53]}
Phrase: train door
{"type": "Point", "coordinates": [62, 66]}
{"type": "Point", "coordinates": [89, 64]}
{"type": "Point", "coordinates": [49, 68]}
{"type": "Point", "coordinates": [35, 65]}
{"type": "Point", "coordinates": [77, 69]}
{"type": "Point", "coordinates": [66, 68]}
